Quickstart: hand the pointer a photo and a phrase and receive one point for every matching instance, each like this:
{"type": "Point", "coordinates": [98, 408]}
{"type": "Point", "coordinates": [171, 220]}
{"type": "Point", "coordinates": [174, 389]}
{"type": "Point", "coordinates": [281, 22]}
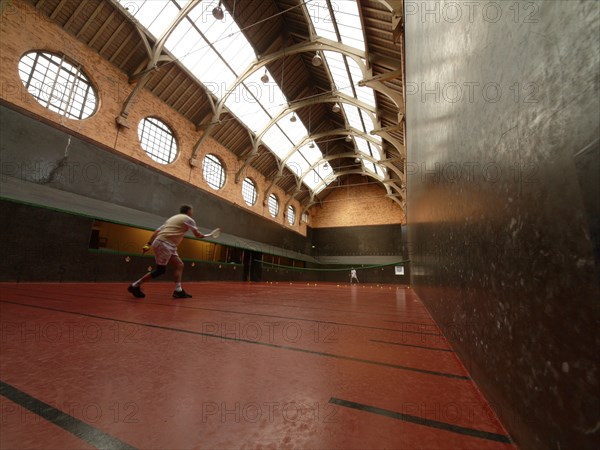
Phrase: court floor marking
{"type": "Point", "coordinates": [82, 430]}
{"type": "Point", "coordinates": [423, 421]}
{"type": "Point", "coordinates": [412, 345]}
{"type": "Point", "coordinates": [409, 315]}
{"type": "Point", "coordinates": [169, 305]}
{"type": "Point", "coordinates": [247, 341]}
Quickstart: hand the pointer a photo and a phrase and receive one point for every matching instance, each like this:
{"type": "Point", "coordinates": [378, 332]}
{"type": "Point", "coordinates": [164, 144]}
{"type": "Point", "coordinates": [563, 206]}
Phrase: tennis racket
{"type": "Point", "coordinates": [214, 233]}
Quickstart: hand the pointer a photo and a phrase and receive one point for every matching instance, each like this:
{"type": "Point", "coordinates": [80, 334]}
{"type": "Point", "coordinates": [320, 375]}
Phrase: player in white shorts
{"type": "Point", "coordinates": [164, 242]}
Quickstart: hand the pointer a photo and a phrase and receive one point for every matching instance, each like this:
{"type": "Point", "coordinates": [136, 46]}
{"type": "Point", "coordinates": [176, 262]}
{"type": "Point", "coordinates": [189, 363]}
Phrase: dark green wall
{"type": "Point", "coordinates": [502, 201]}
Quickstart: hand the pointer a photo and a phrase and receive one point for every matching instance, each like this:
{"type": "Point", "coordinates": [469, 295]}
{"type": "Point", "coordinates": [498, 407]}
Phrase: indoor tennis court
{"type": "Point", "coordinates": [299, 224]}
{"type": "Point", "coordinates": [269, 365]}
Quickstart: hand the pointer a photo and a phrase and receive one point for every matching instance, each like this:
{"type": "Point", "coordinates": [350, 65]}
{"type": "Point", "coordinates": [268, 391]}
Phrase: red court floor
{"type": "Point", "coordinates": [238, 366]}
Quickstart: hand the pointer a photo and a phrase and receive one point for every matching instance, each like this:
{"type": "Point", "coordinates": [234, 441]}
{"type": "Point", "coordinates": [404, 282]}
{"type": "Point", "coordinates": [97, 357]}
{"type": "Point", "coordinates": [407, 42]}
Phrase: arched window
{"type": "Point", "coordinates": [213, 171]}
{"type": "Point", "coordinates": [157, 140]}
{"type": "Point", "coordinates": [273, 205]}
{"type": "Point", "coordinates": [58, 84]}
{"type": "Point", "coordinates": [291, 215]}
{"type": "Point", "coordinates": [249, 191]}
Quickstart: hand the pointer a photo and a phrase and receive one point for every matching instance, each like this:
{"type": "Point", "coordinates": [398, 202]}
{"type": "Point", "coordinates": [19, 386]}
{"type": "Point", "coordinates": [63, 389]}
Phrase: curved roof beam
{"type": "Point", "coordinates": [314, 45]}
{"type": "Point", "coordinates": [338, 132]}
{"type": "Point", "coordinates": [382, 162]}
{"type": "Point", "coordinates": [388, 185]}
{"type": "Point", "coordinates": [281, 163]}
{"type": "Point", "coordinates": [155, 56]}
{"type": "Point", "coordinates": [387, 182]}
{"type": "Point", "coordinates": [334, 98]}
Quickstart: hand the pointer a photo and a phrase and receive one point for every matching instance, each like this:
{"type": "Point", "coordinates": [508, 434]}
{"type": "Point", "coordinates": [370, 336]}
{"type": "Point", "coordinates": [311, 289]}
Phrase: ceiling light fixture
{"type": "Point", "coordinates": [348, 138]}
{"type": "Point", "coordinates": [336, 108]}
{"type": "Point", "coordinates": [293, 118]}
{"type": "Point", "coordinates": [317, 61]}
{"type": "Point", "coordinates": [218, 12]}
{"type": "Point", "coordinates": [312, 144]}
{"type": "Point", "coordinates": [357, 160]}
{"type": "Point", "coordinates": [265, 77]}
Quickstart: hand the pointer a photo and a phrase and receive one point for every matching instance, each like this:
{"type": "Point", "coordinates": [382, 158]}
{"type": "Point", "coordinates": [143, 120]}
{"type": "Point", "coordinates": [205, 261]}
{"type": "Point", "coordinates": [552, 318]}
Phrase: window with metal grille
{"type": "Point", "coordinates": [213, 171]}
{"type": "Point", "coordinates": [157, 140]}
{"type": "Point", "coordinates": [291, 215]}
{"type": "Point", "coordinates": [58, 84]}
{"type": "Point", "coordinates": [273, 205]}
{"type": "Point", "coordinates": [249, 191]}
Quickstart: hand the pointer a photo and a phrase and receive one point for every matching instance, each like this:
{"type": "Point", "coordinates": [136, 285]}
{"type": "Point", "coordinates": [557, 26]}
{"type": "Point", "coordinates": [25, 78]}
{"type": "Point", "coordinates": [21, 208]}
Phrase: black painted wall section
{"type": "Point", "coordinates": [35, 152]}
{"type": "Point", "coordinates": [503, 206]}
{"type": "Point", "coordinates": [377, 240]}
{"type": "Point", "coordinates": [40, 153]}
{"type": "Point", "coordinates": [39, 244]}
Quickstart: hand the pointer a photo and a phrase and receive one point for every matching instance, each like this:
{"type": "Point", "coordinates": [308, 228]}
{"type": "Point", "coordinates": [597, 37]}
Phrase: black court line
{"type": "Point", "coordinates": [248, 341]}
{"type": "Point", "coordinates": [362, 313]}
{"type": "Point", "coordinates": [423, 421]}
{"type": "Point", "coordinates": [82, 430]}
{"type": "Point", "coordinates": [411, 323]}
{"type": "Point", "coordinates": [411, 345]}
{"type": "Point", "coordinates": [236, 312]}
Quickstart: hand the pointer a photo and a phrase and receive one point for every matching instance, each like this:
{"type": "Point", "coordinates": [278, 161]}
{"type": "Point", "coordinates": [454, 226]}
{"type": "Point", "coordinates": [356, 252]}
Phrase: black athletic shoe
{"type": "Point", "coordinates": [136, 291]}
{"type": "Point", "coordinates": [181, 294]}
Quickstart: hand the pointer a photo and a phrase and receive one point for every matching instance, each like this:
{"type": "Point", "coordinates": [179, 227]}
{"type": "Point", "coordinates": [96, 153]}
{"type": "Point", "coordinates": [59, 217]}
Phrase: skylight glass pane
{"type": "Point", "coordinates": [166, 13]}
{"type": "Point", "coordinates": [321, 184]}
{"type": "Point", "coordinates": [324, 170]}
{"type": "Point", "coordinates": [348, 22]}
{"type": "Point", "coordinates": [375, 151]}
{"type": "Point", "coordinates": [242, 103]}
{"type": "Point", "coordinates": [312, 179]}
{"type": "Point", "coordinates": [277, 142]}
{"type": "Point", "coordinates": [232, 45]}
{"type": "Point", "coordinates": [362, 145]}
{"type": "Point", "coordinates": [380, 171]}
{"type": "Point", "coordinates": [183, 40]}
{"type": "Point", "coordinates": [297, 163]}
{"type": "Point", "coordinates": [365, 94]}
{"type": "Point", "coordinates": [312, 155]}
{"type": "Point", "coordinates": [321, 19]}
{"type": "Point", "coordinates": [337, 67]}
{"type": "Point", "coordinates": [353, 116]}
{"type": "Point", "coordinates": [269, 94]}
{"type": "Point", "coordinates": [369, 125]}
{"type": "Point", "coordinates": [369, 167]}
{"type": "Point", "coordinates": [213, 73]}
{"type": "Point", "coordinates": [145, 12]}
{"type": "Point", "coordinates": [296, 131]}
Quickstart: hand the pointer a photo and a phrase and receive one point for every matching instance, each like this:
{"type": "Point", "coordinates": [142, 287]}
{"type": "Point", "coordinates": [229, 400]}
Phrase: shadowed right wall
{"type": "Point", "coordinates": [502, 120]}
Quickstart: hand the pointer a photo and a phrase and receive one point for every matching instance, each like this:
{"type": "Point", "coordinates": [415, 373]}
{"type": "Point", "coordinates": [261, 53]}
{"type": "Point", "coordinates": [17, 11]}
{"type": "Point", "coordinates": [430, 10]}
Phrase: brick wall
{"type": "Point", "coordinates": [356, 205]}
{"type": "Point", "coordinates": [25, 29]}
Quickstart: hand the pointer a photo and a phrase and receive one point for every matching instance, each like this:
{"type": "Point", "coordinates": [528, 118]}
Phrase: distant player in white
{"type": "Point", "coordinates": [164, 242]}
{"type": "Point", "coordinates": [353, 276]}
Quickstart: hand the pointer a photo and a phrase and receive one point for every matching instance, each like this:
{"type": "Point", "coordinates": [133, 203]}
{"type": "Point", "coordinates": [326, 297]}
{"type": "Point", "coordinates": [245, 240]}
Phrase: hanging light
{"type": "Point", "coordinates": [293, 118]}
{"type": "Point", "coordinates": [265, 77]}
{"type": "Point", "coordinates": [312, 144]}
{"type": "Point", "coordinates": [348, 138]}
{"type": "Point", "coordinates": [357, 160]}
{"type": "Point", "coordinates": [218, 13]}
{"type": "Point", "coordinates": [317, 61]}
{"type": "Point", "coordinates": [336, 108]}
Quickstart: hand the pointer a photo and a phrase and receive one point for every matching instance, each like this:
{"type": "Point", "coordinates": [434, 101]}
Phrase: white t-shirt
{"type": "Point", "coordinates": [174, 229]}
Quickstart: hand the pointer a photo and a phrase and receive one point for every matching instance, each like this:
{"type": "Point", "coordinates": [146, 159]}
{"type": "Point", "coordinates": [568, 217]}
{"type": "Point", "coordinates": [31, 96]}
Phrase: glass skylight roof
{"type": "Point", "coordinates": [217, 53]}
